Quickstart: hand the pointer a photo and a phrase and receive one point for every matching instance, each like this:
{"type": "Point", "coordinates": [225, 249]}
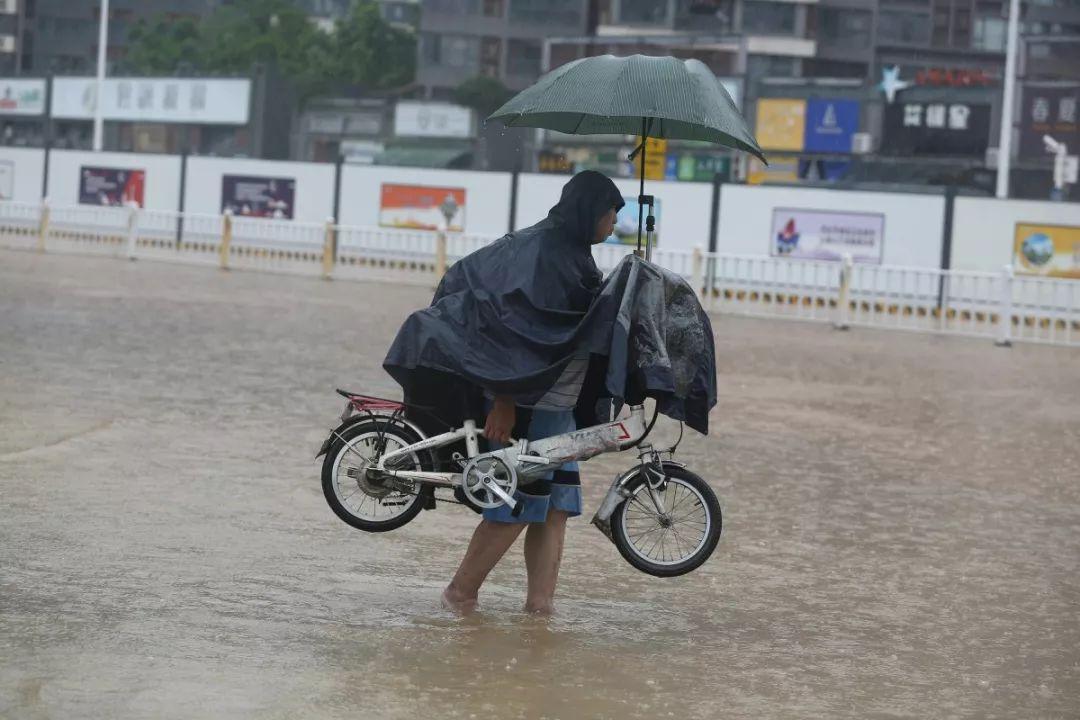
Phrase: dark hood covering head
{"type": "Point", "coordinates": [584, 200]}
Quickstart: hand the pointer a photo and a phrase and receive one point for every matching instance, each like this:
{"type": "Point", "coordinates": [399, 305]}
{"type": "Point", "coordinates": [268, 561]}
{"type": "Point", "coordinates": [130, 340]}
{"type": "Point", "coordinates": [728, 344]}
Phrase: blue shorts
{"type": "Point", "coordinates": [559, 489]}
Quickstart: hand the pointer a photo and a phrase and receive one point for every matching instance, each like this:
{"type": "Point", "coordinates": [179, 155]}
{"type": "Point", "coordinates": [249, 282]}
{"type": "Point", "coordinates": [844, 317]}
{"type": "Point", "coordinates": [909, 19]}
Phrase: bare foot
{"type": "Point", "coordinates": [457, 603]}
{"type": "Point", "coordinates": [540, 609]}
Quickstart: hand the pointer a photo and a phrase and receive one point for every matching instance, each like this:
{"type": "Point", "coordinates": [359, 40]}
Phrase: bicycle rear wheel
{"type": "Point", "coordinates": [354, 497]}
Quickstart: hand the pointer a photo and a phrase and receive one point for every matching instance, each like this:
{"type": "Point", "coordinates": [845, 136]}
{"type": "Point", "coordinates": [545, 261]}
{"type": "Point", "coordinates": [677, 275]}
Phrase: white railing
{"type": "Point", "coordinates": [992, 305]}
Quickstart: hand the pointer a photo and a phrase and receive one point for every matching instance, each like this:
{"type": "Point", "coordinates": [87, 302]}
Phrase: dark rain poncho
{"type": "Point", "coordinates": [511, 316]}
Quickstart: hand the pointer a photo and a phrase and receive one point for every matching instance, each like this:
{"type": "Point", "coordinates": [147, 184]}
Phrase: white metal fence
{"type": "Point", "coordinates": [993, 305]}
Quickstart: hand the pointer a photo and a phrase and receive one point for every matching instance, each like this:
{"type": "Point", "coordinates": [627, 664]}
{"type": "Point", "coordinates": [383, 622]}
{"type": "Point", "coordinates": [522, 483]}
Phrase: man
{"type": "Point", "coordinates": [504, 321]}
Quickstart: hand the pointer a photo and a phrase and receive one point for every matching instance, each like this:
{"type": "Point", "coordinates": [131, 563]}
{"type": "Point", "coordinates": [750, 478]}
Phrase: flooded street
{"type": "Point", "coordinates": [901, 525]}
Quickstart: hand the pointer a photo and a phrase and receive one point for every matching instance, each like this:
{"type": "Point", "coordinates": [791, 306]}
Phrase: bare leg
{"type": "Point", "coordinates": [543, 554]}
{"type": "Point", "coordinates": [489, 543]}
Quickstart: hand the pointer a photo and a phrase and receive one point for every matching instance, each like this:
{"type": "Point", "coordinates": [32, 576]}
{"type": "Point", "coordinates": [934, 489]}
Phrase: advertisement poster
{"type": "Point", "coordinates": [263, 197]}
{"type": "Point", "coordinates": [421, 207]}
{"type": "Point", "coordinates": [936, 128]}
{"type": "Point", "coordinates": [781, 124]}
{"type": "Point", "coordinates": [22, 97]}
{"type": "Point", "coordinates": [830, 124]}
{"type": "Point", "coordinates": [1047, 250]}
{"type": "Point", "coordinates": [817, 235]}
{"type": "Point", "coordinates": [781, 169]}
{"type": "Point", "coordinates": [7, 180]}
{"type": "Point", "coordinates": [1053, 111]}
{"type": "Point", "coordinates": [655, 159]}
{"type": "Point", "coordinates": [626, 223]}
{"type": "Point", "coordinates": [112, 187]}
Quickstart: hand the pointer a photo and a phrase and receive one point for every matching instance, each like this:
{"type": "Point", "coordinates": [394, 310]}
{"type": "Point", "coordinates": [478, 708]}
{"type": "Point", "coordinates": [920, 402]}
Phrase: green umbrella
{"type": "Point", "coordinates": [657, 97]}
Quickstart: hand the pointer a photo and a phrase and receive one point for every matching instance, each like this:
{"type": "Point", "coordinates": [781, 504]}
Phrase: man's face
{"type": "Point", "coordinates": [604, 226]}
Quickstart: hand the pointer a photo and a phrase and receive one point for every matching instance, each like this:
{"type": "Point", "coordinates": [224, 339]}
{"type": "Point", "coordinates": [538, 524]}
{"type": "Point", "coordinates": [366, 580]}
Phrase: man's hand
{"type": "Point", "coordinates": [500, 421]}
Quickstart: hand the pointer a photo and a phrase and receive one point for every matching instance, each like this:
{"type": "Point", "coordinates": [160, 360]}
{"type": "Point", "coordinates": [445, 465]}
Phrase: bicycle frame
{"type": "Point", "coordinates": [529, 459]}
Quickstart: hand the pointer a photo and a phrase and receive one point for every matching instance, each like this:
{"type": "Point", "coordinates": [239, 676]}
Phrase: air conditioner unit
{"type": "Point", "coordinates": [992, 158]}
{"type": "Point", "coordinates": [862, 143]}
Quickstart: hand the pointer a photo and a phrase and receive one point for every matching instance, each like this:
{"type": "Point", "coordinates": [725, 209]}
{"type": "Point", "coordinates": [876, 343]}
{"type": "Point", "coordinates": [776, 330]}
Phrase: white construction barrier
{"type": "Point", "coordinates": [998, 305]}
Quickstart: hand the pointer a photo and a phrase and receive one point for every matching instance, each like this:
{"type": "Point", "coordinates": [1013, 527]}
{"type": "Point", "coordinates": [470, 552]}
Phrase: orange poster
{"type": "Point", "coordinates": [422, 207]}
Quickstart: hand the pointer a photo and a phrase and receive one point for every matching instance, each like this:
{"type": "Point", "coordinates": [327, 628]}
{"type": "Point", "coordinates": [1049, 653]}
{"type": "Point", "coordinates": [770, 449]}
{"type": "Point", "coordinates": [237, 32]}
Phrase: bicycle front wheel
{"type": "Point", "coordinates": [676, 538]}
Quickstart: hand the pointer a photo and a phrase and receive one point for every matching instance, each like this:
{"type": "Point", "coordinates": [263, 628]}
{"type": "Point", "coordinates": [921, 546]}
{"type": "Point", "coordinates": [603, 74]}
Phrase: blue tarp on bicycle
{"type": "Point", "coordinates": [523, 315]}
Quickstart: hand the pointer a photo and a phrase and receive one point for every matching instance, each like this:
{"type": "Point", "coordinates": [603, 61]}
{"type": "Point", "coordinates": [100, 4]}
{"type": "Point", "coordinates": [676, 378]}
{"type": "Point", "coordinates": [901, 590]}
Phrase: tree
{"type": "Point", "coordinates": [363, 50]}
{"type": "Point", "coordinates": [239, 35]}
{"type": "Point", "coordinates": [161, 46]}
{"type": "Point", "coordinates": [483, 94]}
{"type": "Point", "coordinates": [369, 52]}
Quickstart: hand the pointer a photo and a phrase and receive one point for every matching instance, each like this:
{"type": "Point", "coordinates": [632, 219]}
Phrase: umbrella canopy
{"type": "Point", "coordinates": [658, 97]}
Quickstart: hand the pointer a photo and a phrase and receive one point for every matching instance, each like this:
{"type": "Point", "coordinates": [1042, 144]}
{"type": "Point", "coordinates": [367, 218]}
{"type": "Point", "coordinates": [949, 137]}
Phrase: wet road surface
{"type": "Point", "coordinates": [901, 538]}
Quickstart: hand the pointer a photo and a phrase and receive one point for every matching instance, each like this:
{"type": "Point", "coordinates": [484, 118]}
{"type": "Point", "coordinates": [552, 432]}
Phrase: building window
{"type": "Point", "coordinates": [548, 12]}
{"type": "Point", "coordinates": [651, 12]}
{"type": "Point", "coordinates": [769, 18]}
{"type": "Point", "coordinates": [453, 7]}
{"type": "Point", "coordinates": [961, 35]}
{"type": "Point", "coordinates": [523, 58]}
{"type": "Point", "coordinates": [456, 51]}
{"type": "Point", "coordinates": [989, 33]}
{"type": "Point", "coordinates": [460, 51]}
{"type": "Point", "coordinates": [850, 28]}
{"type": "Point", "coordinates": [941, 25]}
{"type": "Point", "coordinates": [494, 8]}
{"type": "Point", "coordinates": [903, 27]}
{"type": "Point", "coordinates": [490, 56]}
{"type": "Point", "coordinates": [758, 66]}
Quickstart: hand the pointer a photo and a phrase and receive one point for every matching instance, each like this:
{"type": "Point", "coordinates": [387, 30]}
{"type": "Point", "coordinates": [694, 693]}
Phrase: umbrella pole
{"type": "Point", "coordinates": [641, 191]}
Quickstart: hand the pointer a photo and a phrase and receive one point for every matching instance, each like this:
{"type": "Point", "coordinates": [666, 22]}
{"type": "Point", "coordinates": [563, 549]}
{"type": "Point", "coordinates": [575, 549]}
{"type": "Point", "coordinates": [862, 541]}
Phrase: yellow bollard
{"type": "Point", "coordinates": [226, 240]}
{"type": "Point", "coordinates": [440, 255]}
{"type": "Point", "coordinates": [328, 251]}
{"type": "Point", "coordinates": [43, 226]}
{"type": "Point", "coordinates": [697, 276]}
{"type": "Point", "coordinates": [844, 293]}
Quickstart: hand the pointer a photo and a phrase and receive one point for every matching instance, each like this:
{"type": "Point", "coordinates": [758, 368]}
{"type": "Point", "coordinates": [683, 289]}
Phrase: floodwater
{"type": "Point", "coordinates": [901, 538]}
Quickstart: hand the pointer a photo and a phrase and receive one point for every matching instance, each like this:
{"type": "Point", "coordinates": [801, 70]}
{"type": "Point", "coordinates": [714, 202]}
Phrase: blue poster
{"type": "Point", "coordinates": [830, 124]}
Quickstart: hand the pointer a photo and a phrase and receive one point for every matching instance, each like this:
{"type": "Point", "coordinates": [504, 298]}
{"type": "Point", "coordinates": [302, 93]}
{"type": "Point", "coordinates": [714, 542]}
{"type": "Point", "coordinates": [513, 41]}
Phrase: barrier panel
{"type": "Point", "coordinates": [21, 224]}
{"type": "Point", "coordinates": [993, 305]}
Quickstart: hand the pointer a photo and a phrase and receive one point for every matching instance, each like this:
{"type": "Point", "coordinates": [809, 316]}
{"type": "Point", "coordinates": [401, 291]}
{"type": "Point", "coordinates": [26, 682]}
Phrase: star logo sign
{"type": "Point", "coordinates": [891, 83]}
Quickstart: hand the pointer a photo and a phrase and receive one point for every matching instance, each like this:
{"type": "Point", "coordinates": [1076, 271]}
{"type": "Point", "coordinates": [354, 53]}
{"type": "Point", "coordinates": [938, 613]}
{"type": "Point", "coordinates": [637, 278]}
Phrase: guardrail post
{"type": "Point", "coordinates": [1004, 338]}
{"type": "Point", "coordinates": [440, 255]}
{"type": "Point", "coordinates": [697, 268]}
{"type": "Point", "coordinates": [843, 301]}
{"type": "Point", "coordinates": [132, 231]}
{"type": "Point", "coordinates": [43, 225]}
{"type": "Point", "coordinates": [226, 241]}
{"type": "Point", "coordinates": [328, 258]}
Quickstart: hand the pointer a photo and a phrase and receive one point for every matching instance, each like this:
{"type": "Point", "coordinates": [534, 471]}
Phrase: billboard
{"type": "Point", "coordinates": [22, 97]}
{"type": "Point", "coordinates": [7, 180]}
{"type": "Point", "coordinates": [264, 197]}
{"type": "Point", "coordinates": [823, 235]}
{"type": "Point", "coordinates": [1047, 250]}
{"type": "Point", "coordinates": [936, 128]}
{"type": "Point", "coordinates": [781, 124]}
{"type": "Point", "coordinates": [626, 223]}
{"type": "Point", "coordinates": [413, 118]}
{"type": "Point", "coordinates": [1049, 111]}
{"type": "Point", "coordinates": [207, 101]}
{"type": "Point", "coordinates": [420, 207]}
{"type": "Point", "coordinates": [830, 125]}
{"type": "Point", "coordinates": [111, 187]}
